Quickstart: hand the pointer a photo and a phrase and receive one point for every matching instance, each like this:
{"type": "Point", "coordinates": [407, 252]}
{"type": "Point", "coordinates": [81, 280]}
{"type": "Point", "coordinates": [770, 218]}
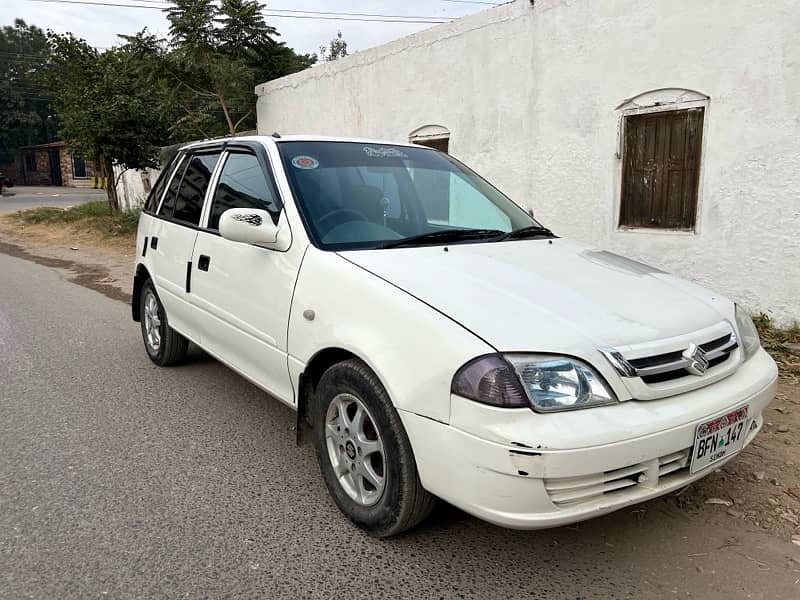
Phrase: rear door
{"type": "Point", "coordinates": [173, 234]}
{"type": "Point", "coordinates": [244, 291]}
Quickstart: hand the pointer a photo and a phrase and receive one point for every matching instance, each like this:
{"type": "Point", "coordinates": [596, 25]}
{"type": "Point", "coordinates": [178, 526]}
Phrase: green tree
{"type": "Point", "coordinates": [104, 111]}
{"type": "Point", "coordinates": [25, 101]}
{"type": "Point", "coordinates": [335, 50]}
{"type": "Point", "coordinates": [211, 61]}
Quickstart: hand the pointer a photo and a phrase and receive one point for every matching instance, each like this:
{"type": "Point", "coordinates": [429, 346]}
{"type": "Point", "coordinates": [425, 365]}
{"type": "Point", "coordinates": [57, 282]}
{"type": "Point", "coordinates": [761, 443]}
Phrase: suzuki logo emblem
{"type": "Point", "coordinates": [696, 357]}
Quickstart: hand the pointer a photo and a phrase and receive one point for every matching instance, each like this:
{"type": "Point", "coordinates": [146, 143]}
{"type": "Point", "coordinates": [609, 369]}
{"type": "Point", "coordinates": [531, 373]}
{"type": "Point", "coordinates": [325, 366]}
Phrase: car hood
{"type": "Point", "coordinates": [547, 295]}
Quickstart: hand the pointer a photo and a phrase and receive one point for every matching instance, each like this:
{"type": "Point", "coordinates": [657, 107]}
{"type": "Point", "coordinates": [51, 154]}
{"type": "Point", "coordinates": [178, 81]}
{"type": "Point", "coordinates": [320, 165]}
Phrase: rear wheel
{"type": "Point", "coordinates": [164, 345]}
{"type": "Point", "coordinates": [364, 453]}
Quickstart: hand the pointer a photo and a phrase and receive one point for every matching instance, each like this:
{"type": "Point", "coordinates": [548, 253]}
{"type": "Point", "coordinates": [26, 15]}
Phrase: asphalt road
{"type": "Point", "coordinates": [25, 197]}
{"type": "Point", "coordinates": [119, 479]}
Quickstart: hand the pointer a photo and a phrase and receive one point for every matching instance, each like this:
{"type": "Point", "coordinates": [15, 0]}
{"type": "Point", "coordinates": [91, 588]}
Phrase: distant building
{"type": "Point", "coordinates": [50, 164]}
{"type": "Point", "coordinates": [663, 130]}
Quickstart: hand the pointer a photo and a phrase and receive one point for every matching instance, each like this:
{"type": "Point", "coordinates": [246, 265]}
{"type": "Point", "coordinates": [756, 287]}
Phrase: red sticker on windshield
{"type": "Point", "coordinates": [305, 162]}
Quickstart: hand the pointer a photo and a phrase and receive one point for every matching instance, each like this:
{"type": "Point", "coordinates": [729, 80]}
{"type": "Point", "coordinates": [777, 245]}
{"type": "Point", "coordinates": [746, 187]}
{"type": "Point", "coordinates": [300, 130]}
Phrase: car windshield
{"type": "Point", "coordinates": [358, 195]}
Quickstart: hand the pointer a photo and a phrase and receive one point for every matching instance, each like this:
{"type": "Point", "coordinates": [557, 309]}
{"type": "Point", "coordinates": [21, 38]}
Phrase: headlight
{"type": "Point", "coordinates": [547, 383]}
{"type": "Point", "coordinates": [748, 334]}
{"type": "Point", "coordinates": [560, 383]}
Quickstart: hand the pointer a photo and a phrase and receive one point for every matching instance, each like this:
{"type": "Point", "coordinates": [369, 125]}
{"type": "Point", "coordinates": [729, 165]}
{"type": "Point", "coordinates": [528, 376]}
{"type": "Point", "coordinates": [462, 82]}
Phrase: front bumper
{"type": "Point", "coordinates": [508, 478]}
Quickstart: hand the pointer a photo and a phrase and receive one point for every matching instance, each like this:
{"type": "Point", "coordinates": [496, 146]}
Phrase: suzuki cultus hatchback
{"type": "Point", "coordinates": [441, 342]}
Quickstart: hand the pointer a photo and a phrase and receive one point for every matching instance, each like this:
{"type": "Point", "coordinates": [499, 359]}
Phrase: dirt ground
{"type": "Point", "coordinates": [760, 488]}
{"type": "Point", "coordinates": [757, 493]}
{"type": "Point", "coordinates": [103, 264]}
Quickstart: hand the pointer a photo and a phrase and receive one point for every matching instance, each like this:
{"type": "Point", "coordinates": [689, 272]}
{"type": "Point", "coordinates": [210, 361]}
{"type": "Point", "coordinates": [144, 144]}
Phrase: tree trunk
{"type": "Point", "coordinates": [111, 189]}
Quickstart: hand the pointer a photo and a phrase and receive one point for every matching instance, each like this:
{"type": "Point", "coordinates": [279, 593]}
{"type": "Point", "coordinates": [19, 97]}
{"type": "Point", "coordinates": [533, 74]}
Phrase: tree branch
{"type": "Point", "coordinates": [199, 92]}
{"type": "Point", "coordinates": [224, 106]}
{"type": "Point", "coordinates": [118, 178]}
{"type": "Point", "coordinates": [239, 122]}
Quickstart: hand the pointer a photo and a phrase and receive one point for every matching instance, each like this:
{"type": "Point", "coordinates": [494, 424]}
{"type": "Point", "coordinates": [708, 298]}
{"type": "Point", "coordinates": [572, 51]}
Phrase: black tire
{"type": "Point", "coordinates": [172, 346]}
{"type": "Point", "coordinates": [404, 502]}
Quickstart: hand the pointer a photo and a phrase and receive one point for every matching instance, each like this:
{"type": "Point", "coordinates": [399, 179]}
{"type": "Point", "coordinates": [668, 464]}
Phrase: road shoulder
{"type": "Point", "coordinates": [109, 272]}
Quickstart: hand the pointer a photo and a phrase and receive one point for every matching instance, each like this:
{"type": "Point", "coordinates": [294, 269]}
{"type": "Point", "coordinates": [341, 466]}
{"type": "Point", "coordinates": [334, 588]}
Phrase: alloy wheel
{"type": "Point", "coordinates": [355, 449]}
{"type": "Point", "coordinates": [152, 322]}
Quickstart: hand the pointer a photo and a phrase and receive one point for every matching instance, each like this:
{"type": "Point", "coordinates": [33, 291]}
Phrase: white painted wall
{"type": "Point", "coordinates": [530, 95]}
{"type": "Point", "coordinates": [131, 189]}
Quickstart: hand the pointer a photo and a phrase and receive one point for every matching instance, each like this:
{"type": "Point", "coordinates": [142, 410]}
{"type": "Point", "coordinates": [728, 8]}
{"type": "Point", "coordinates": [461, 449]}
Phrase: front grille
{"type": "Point", "coordinates": [566, 492]}
{"type": "Point", "coordinates": [662, 366]}
{"type": "Point", "coordinates": [678, 373]}
{"type": "Point", "coordinates": [660, 359]}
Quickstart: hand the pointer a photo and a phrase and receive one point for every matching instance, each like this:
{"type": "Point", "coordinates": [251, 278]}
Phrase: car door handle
{"type": "Point", "coordinates": [203, 262]}
{"type": "Point", "coordinates": [154, 243]}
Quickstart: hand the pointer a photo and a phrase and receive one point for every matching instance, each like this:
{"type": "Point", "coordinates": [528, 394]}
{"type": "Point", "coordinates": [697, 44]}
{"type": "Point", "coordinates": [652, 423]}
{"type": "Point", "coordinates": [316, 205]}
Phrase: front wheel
{"type": "Point", "coordinates": [364, 453]}
{"type": "Point", "coordinates": [164, 345]}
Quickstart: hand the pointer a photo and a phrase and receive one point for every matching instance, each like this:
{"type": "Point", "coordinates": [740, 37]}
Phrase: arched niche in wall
{"type": "Point", "coordinates": [662, 97]}
{"type": "Point", "coordinates": [433, 136]}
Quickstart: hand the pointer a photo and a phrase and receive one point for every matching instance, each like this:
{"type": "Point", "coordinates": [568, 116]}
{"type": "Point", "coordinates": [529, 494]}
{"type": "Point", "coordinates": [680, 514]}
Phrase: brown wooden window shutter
{"type": "Point", "coordinates": [661, 169]}
{"type": "Point", "coordinates": [441, 144]}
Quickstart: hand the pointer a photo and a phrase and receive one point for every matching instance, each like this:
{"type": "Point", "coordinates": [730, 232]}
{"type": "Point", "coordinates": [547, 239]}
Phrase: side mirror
{"type": "Point", "coordinates": [530, 213]}
{"type": "Point", "coordinates": [248, 226]}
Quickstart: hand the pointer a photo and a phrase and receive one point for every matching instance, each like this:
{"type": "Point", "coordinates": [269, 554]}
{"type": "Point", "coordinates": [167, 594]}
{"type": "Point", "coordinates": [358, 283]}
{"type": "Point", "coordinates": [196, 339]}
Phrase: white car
{"type": "Point", "coordinates": [441, 342]}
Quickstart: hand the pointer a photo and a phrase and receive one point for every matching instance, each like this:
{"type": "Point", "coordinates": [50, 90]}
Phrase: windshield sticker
{"type": "Point", "coordinates": [305, 162]}
{"type": "Point", "coordinates": [384, 152]}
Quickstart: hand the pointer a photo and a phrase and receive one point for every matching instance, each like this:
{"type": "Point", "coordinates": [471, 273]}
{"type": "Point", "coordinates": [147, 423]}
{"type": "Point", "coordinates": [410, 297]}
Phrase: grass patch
{"type": "Point", "coordinates": [783, 343]}
{"type": "Point", "coordinates": [94, 217]}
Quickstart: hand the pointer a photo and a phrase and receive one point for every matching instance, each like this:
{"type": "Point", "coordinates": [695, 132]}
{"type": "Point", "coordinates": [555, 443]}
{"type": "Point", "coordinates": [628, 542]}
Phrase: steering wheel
{"type": "Point", "coordinates": [338, 216]}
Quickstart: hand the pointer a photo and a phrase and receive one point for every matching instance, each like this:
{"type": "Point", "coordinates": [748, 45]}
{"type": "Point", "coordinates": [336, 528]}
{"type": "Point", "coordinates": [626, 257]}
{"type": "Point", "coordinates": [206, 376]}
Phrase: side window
{"type": "Point", "coordinates": [189, 202]}
{"type": "Point", "coordinates": [470, 208]}
{"type": "Point", "coordinates": [158, 189]}
{"type": "Point", "coordinates": [168, 205]}
{"type": "Point", "coordinates": [242, 184]}
{"type": "Point", "coordinates": [452, 201]}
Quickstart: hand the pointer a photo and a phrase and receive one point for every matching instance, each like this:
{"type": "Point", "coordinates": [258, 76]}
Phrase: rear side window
{"type": "Point", "coordinates": [158, 189]}
{"type": "Point", "coordinates": [189, 202]}
{"type": "Point", "coordinates": [168, 205]}
{"type": "Point", "coordinates": [242, 184]}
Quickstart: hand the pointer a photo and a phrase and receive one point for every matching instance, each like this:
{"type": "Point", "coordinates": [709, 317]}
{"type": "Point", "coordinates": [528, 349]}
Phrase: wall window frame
{"type": "Point", "coordinates": [650, 102]}
{"type": "Point", "coordinates": [76, 161]}
{"type": "Point", "coordinates": [431, 136]}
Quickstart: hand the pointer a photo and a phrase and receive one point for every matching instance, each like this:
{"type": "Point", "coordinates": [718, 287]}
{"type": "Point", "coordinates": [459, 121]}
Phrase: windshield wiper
{"type": "Point", "coordinates": [530, 231]}
{"type": "Point", "coordinates": [444, 236]}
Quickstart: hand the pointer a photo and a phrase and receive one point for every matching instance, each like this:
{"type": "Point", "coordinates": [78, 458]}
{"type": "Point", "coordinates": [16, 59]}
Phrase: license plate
{"type": "Point", "coordinates": [718, 439]}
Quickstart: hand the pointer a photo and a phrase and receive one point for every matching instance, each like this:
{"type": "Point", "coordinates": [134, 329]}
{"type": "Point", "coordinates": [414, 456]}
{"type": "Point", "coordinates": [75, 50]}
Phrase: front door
{"type": "Point", "coordinates": [244, 291]}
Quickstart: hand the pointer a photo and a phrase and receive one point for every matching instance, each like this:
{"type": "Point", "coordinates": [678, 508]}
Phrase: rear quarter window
{"type": "Point", "coordinates": [154, 197]}
{"type": "Point", "coordinates": [168, 204]}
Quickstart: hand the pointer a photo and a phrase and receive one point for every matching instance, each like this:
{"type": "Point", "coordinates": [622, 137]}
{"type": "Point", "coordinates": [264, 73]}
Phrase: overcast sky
{"type": "Point", "coordinates": [99, 24]}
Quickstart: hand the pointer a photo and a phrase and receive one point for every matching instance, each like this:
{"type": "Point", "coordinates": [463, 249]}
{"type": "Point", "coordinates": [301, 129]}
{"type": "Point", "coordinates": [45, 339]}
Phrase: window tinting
{"type": "Point", "coordinates": [158, 189]}
{"type": "Point", "coordinates": [168, 204]}
{"type": "Point", "coordinates": [242, 184]}
{"type": "Point", "coordinates": [354, 195]}
{"type": "Point", "coordinates": [195, 182]}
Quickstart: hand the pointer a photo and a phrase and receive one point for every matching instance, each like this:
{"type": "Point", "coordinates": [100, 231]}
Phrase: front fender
{"type": "Point", "coordinates": [413, 349]}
